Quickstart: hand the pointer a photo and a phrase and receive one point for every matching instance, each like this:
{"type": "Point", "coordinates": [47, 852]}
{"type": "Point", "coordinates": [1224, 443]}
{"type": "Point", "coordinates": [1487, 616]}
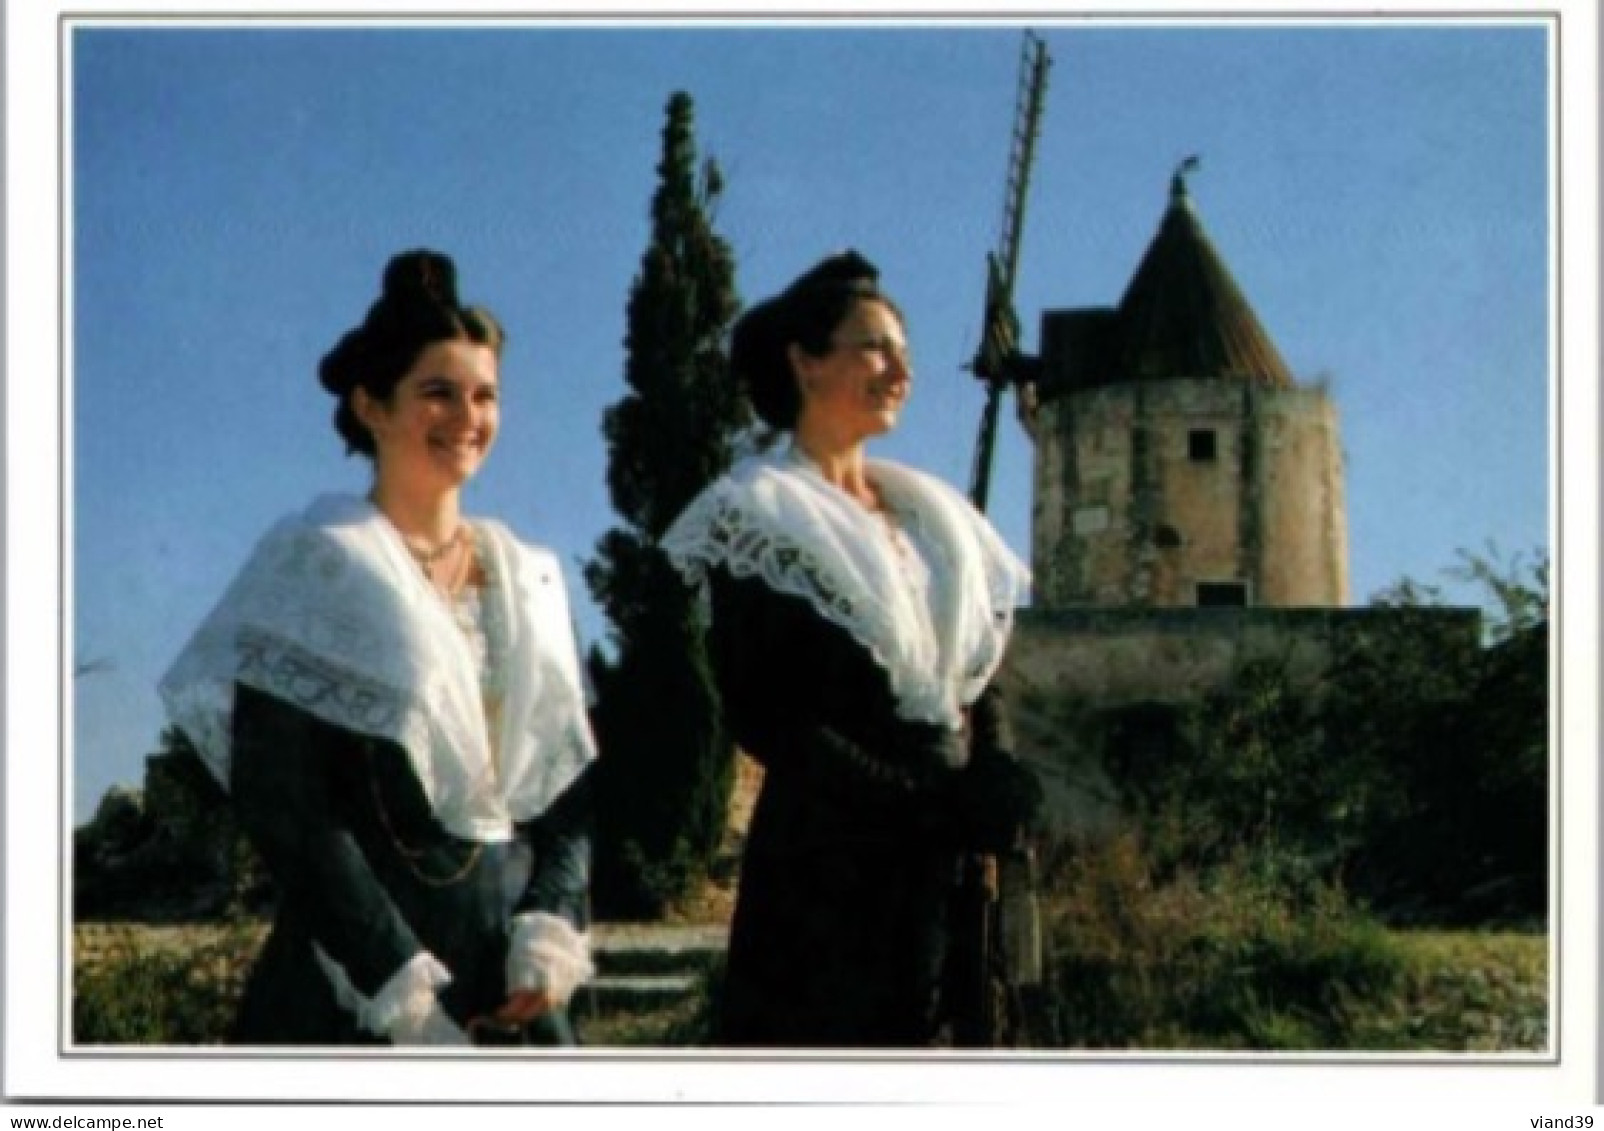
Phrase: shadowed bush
{"type": "Point", "coordinates": [1232, 958]}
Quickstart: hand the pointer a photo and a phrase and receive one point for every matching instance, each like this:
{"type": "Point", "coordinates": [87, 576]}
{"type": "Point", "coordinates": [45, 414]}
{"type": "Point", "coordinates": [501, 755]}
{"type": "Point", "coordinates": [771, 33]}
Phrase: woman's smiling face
{"type": "Point", "coordinates": [438, 425]}
{"type": "Point", "coordinates": [857, 388]}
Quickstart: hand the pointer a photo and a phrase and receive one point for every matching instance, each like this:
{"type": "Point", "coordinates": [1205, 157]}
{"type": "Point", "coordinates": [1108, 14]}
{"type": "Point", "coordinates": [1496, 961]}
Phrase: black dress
{"type": "Point", "coordinates": [842, 926]}
{"type": "Point", "coordinates": [363, 869]}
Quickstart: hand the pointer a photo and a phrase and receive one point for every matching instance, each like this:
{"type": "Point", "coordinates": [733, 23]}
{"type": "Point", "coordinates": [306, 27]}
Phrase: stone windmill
{"type": "Point", "coordinates": [1188, 515]}
{"type": "Point", "coordinates": [1177, 461]}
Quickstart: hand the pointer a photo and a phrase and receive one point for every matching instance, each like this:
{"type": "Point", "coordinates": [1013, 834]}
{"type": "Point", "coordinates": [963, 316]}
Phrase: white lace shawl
{"type": "Point", "coordinates": [777, 518]}
{"type": "Point", "coordinates": [332, 615]}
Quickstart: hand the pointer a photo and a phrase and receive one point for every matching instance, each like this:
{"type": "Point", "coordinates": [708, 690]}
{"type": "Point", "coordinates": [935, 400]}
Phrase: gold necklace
{"type": "Point", "coordinates": [427, 558]}
{"type": "Point", "coordinates": [411, 856]}
{"type": "Point", "coordinates": [424, 558]}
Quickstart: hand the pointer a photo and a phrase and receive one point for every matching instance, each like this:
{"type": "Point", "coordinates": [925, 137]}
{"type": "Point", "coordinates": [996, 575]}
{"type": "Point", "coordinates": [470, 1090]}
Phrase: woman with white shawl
{"type": "Point", "coordinates": [390, 692]}
{"type": "Point", "coordinates": [857, 612]}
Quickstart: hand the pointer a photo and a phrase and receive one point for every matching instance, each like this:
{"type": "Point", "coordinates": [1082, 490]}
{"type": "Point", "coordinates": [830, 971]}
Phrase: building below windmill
{"type": "Point", "coordinates": [1188, 514]}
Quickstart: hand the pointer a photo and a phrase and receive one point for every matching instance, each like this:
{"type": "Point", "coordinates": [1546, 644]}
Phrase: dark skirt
{"type": "Point", "coordinates": [838, 943]}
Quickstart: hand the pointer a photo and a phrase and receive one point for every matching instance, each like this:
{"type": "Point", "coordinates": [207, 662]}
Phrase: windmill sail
{"type": "Point", "coordinates": [997, 362]}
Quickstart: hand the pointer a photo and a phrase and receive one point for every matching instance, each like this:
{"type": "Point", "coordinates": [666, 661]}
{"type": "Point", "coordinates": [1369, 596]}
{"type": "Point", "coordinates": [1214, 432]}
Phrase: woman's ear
{"type": "Point", "coordinates": [801, 367]}
{"type": "Point", "coordinates": [366, 406]}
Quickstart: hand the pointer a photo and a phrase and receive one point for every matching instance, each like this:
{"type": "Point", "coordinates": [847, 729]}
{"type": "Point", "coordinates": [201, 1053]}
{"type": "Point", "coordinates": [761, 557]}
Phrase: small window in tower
{"type": "Point", "coordinates": [1222, 594]}
{"type": "Point", "coordinates": [1166, 537]}
{"type": "Point", "coordinates": [1090, 520]}
{"type": "Point", "coordinates": [1200, 445]}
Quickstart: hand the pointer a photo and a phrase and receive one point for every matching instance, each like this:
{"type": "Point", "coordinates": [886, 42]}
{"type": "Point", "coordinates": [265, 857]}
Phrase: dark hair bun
{"type": "Point", "coordinates": [843, 269]}
{"type": "Point", "coordinates": [418, 290]}
{"type": "Point", "coordinates": [342, 365]}
{"type": "Point", "coordinates": [757, 358]}
{"type": "Point", "coordinates": [421, 272]}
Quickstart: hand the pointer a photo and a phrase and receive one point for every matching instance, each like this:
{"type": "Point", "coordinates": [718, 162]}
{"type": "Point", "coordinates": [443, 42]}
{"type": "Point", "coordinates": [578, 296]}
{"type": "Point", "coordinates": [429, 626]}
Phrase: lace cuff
{"type": "Point", "coordinates": [424, 1022]}
{"type": "Point", "coordinates": [408, 994]}
{"type": "Point", "coordinates": [547, 953]}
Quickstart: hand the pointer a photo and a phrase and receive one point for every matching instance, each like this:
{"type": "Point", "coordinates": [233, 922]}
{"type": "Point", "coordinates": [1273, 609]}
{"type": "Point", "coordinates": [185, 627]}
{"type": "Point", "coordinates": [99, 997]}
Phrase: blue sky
{"type": "Point", "coordinates": [1379, 189]}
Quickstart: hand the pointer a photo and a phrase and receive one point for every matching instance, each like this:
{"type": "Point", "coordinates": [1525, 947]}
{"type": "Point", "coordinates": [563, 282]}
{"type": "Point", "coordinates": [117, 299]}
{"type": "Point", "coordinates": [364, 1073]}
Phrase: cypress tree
{"type": "Point", "coordinates": [665, 775]}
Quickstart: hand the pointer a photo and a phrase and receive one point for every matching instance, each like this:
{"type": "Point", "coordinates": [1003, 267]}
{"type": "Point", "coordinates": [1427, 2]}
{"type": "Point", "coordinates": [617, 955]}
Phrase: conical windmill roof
{"type": "Point", "coordinates": [1183, 315]}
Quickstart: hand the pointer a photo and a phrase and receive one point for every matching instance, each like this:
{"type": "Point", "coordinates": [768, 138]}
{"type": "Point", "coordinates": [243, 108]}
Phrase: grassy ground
{"type": "Point", "coordinates": [1450, 992]}
{"type": "Point", "coordinates": [1391, 991]}
{"type": "Point", "coordinates": [143, 984]}
{"type": "Point", "coordinates": [1463, 991]}
{"type": "Point", "coordinates": [680, 1026]}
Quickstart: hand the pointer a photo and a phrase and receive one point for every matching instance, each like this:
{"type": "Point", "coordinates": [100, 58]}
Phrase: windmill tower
{"type": "Point", "coordinates": [1177, 462]}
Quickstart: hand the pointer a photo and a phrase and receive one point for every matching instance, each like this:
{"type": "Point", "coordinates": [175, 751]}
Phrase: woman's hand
{"type": "Point", "coordinates": [994, 802]}
{"type": "Point", "coordinates": [547, 959]}
{"type": "Point", "coordinates": [523, 1006]}
{"type": "Point", "coordinates": [506, 1025]}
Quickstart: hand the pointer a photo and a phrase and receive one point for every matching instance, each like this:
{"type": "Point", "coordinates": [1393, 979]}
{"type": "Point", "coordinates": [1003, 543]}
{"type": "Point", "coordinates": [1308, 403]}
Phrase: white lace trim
{"type": "Point", "coordinates": [547, 953]}
{"type": "Point", "coordinates": [331, 615]}
{"type": "Point", "coordinates": [776, 518]}
{"type": "Point", "coordinates": [410, 992]}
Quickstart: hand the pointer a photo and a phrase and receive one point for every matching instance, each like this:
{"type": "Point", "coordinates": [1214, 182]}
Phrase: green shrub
{"type": "Point", "coordinates": [631, 885]}
{"type": "Point", "coordinates": [184, 994]}
{"type": "Point", "coordinates": [1220, 958]}
{"type": "Point", "coordinates": [1233, 957]}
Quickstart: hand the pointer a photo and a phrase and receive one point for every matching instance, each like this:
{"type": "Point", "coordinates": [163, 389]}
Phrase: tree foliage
{"type": "Point", "coordinates": [1415, 773]}
{"type": "Point", "coordinates": [1464, 836]}
{"type": "Point", "coordinates": [170, 850]}
{"type": "Point", "coordinates": [667, 763]}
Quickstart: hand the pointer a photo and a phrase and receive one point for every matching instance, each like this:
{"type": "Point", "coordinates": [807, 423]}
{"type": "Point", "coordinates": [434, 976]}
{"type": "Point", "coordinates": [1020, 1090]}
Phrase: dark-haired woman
{"type": "Point", "coordinates": [390, 691]}
{"type": "Point", "coordinates": [858, 610]}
